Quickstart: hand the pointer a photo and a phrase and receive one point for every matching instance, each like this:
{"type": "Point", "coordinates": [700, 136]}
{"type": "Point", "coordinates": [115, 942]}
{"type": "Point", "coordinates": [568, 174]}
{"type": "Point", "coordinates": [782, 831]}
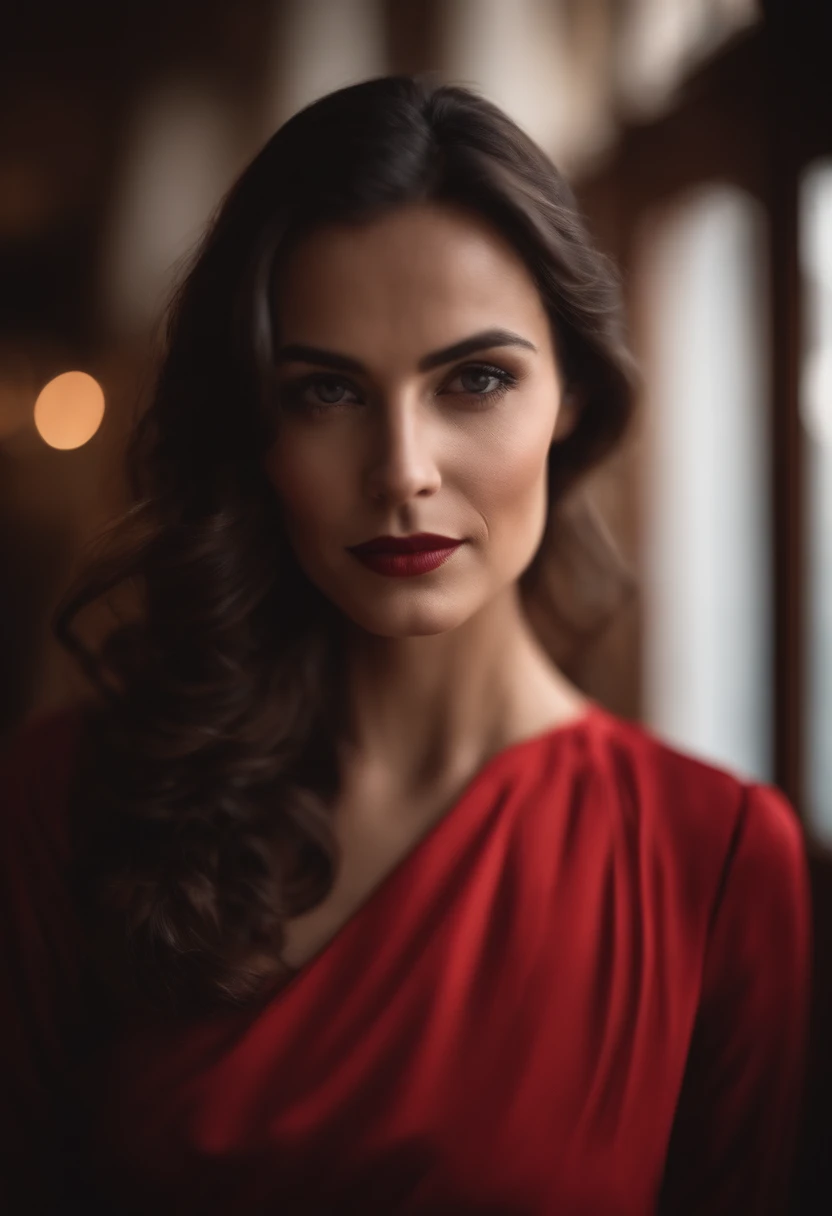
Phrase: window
{"type": "Point", "coordinates": [707, 595]}
{"type": "Point", "coordinates": [815, 211]}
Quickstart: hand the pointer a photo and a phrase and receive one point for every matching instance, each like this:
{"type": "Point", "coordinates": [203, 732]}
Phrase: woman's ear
{"type": "Point", "coordinates": [568, 413]}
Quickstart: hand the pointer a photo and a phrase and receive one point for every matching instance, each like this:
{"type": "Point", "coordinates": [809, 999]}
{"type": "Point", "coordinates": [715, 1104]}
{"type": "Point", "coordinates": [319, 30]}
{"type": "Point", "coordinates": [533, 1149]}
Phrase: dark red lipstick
{"type": "Point", "coordinates": [405, 556]}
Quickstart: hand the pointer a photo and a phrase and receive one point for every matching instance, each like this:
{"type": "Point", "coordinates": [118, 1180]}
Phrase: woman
{"type": "Point", "coordinates": [344, 898]}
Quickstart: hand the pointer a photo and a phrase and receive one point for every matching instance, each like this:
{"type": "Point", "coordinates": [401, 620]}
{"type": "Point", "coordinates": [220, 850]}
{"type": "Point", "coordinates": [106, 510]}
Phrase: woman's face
{"type": "Point", "coordinates": [384, 430]}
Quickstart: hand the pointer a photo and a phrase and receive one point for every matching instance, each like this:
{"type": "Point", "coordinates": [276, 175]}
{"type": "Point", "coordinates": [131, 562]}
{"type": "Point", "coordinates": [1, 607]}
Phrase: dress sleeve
{"type": "Point", "coordinates": [734, 1132]}
{"type": "Point", "coordinates": [39, 977]}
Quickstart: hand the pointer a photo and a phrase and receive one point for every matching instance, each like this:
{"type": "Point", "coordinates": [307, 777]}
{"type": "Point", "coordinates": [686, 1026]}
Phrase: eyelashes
{"type": "Point", "coordinates": [504, 380]}
{"type": "Point", "coordinates": [294, 394]}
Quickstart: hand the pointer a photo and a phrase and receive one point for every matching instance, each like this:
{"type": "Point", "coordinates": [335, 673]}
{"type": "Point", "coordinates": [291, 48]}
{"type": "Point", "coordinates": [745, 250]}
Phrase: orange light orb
{"type": "Point", "coordinates": [69, 410]}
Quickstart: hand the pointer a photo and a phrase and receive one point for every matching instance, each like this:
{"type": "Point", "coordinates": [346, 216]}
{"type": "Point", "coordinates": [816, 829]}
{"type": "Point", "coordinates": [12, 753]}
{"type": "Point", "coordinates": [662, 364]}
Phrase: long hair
{"type": "Point", "coordinates": [206, 774]}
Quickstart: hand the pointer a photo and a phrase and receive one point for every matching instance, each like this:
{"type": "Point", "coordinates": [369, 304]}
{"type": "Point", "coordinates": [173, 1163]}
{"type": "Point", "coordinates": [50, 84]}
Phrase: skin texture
{"type": "Point", "coordinates": [444, 669]}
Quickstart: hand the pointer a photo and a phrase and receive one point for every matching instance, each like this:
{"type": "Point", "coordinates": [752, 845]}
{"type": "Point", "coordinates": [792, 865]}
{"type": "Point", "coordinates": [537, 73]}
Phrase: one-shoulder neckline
{"type": "Point", "coordinates": [453, 819]}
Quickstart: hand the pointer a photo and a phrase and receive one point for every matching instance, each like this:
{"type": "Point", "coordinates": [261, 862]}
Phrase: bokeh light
{"type": "Point", "coordinates": [69, 410]}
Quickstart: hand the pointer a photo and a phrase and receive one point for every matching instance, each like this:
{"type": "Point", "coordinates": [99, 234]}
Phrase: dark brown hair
{"type": "Point", "coordinates": [206, 773]}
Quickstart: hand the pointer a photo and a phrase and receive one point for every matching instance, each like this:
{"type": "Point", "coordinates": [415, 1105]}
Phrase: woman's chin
{"type": "Point", "coordinates": [409, 621]}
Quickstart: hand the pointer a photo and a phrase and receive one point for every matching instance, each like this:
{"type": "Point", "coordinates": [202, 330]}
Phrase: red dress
{"type": "Point", "coordinates": [583, 993]}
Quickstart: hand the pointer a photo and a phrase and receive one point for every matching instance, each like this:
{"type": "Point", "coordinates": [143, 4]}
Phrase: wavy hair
{"type": "Point", "coordinates": [206, 772]}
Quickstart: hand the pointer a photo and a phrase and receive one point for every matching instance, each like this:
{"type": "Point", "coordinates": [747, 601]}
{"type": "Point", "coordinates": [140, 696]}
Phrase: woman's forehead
{"type": "Point", "coordinates": [424, 266]}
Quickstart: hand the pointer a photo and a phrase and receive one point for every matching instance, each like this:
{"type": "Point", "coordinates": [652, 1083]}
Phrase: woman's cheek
{"type": "Point", "coordinates": [298, 478]}
{"type": "Point", "coordinates": [512, 498]}
{"type": "Point", "coordinates": [514, 469]}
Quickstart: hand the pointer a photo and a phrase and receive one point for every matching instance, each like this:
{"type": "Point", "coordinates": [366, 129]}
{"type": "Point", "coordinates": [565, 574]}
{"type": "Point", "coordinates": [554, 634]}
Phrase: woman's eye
{"type": "Point", "coordinates": [318, 393]}
{"type": "Point", "coordinates": [329, 392]}
{"type": "Point", "coordinates": [483, 381]}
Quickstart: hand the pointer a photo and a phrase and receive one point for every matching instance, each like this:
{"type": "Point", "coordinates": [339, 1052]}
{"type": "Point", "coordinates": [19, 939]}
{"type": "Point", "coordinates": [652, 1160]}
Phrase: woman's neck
{"type": "Point", "coordinates": [418, 709]}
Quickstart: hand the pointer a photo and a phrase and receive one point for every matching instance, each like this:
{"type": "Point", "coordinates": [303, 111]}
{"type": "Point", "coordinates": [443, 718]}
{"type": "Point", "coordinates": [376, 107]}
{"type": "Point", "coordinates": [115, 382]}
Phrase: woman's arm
{"type": "Point", "coordinates": [734, 1133]}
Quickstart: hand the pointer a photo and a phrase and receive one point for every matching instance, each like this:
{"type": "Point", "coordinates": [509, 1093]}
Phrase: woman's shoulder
{"type": "Point", "coordinates": [700, 807]}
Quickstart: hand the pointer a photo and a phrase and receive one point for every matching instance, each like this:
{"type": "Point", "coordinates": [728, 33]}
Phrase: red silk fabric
{"type": "Point", "coordinates": [583, 993]}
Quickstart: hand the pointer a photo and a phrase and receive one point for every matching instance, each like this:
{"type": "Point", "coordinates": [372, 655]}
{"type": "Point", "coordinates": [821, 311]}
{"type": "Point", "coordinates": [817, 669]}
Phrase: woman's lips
{"type": "Point", "coordinates": [414, 543]}
{"type": "Point", "coordinates": [405, 565]}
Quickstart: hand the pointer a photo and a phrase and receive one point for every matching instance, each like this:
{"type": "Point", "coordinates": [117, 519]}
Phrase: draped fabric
{"type": "Point", "coordinates": [582, 993]}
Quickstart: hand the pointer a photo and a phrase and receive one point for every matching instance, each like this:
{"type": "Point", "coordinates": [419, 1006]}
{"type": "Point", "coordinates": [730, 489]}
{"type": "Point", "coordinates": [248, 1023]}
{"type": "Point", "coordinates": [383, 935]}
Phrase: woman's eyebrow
{"type": "Point", "coordinates": [489, 338]}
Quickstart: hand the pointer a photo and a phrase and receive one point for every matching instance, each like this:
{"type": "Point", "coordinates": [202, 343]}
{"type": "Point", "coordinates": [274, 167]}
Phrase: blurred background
{"type": "Point", "coordinates": [697, 134]}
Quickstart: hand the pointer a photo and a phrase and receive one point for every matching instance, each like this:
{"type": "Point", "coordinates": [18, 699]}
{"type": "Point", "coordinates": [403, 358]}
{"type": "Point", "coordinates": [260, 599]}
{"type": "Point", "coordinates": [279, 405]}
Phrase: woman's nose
{"type": "Point", "coordinates": [404, 459]}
